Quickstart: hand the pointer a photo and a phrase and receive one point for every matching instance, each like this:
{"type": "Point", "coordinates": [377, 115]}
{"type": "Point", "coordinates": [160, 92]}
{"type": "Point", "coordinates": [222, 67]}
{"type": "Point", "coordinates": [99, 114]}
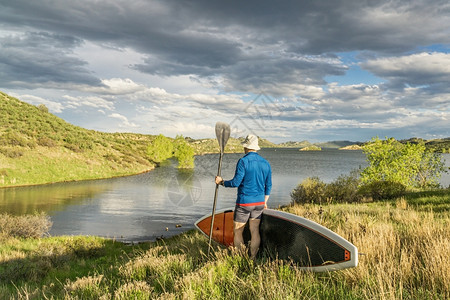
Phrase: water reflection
{"type": "Point", "coordinates": [50, 198]}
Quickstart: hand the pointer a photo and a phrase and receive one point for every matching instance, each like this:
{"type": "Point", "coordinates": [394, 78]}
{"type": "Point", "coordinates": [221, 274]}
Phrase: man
{"type": "Point", "coordinates": [253, 178]}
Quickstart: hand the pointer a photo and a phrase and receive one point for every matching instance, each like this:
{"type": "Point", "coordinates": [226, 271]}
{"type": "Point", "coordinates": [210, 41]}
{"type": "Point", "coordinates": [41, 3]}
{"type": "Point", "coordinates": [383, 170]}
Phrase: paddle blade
{"type": "Point", "coordinates": [222, 133]}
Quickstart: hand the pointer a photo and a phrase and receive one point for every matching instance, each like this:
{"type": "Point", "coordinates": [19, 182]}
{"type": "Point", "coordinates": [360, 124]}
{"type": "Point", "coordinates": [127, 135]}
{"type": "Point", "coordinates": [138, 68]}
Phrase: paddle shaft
{"type": "Point", "coordinates": [215, 202]}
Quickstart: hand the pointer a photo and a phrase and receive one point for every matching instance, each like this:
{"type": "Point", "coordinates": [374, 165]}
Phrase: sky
{"type": "Point", "coordinates": [283, 70]}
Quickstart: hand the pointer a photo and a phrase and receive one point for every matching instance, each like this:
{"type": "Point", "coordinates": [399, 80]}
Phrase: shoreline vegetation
{"type": "Point", "coordinates": [404, 245]}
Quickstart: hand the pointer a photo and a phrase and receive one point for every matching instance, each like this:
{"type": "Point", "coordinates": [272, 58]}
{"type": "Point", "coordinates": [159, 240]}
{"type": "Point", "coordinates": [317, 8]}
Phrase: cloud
{"type": "Point", "coordinates": [125, 124]}
{"type": "Point", "coordinates": [259, 46]}
{"type": "Point", "coordinates": [54, 107]}
{"type": "Point", "coordinates": [116, 86]}
{"type": "Point", "coordinates": [412, 70]}
{"type": "Point", "coordinates": [89, 101]}
{"type": "Point", "coordinates": [188, 129]}
{"type": "Point", "coordinates": [34, 59]}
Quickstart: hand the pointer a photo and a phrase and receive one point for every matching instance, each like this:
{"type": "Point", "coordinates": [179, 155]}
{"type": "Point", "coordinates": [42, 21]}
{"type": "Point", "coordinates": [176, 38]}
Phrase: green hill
{"type": "Point", "coordinates": [437, 145]}
{"type": "Point", "coordinates": [37, 147]}
{"type": "Point", "coordinates": [336, 144]}
{"type": "Point", "coordinates": [311, 148]}
{"type": "Point", "coordinates": [292, 144]}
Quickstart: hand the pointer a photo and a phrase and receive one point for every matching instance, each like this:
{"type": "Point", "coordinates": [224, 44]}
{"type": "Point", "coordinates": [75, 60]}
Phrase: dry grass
{"type": "Point", "coordinates": [25, 226]}
{"type": "Point", "coordinates": [405, 255]}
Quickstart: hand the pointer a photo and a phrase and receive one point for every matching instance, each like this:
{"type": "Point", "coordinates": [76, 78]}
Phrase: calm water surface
{"type": "Point", "coordinates": [166, 201]}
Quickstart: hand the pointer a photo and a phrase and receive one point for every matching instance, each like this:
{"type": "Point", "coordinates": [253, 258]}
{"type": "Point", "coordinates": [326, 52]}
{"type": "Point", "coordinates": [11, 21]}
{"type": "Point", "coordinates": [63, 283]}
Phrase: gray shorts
{"type": "Point", "coordinates": [243, 213]}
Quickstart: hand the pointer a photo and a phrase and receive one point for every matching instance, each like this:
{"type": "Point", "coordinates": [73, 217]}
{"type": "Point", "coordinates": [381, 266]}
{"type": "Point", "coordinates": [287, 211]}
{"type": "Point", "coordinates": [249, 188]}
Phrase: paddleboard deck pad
{"type": "Point", "coordinates": [289, 237]}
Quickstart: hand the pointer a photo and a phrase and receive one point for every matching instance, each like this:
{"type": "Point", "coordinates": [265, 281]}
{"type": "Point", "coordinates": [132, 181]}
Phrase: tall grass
{"type": "Point", "coordinates": [405, 255]}
{"type": "Point", "coordinates": [25, 226]}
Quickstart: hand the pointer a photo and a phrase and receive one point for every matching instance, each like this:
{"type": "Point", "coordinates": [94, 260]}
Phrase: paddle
{"type": "Point", "coordinates": [222, 134]}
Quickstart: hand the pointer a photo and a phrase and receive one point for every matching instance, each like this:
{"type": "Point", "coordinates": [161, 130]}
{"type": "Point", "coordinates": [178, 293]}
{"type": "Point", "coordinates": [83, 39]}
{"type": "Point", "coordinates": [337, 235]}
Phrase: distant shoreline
{"type": "Point", "coordinates": [75, 180]}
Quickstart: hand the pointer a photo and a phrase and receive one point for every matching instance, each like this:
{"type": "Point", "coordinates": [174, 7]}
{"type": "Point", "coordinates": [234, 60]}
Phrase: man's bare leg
{"type": "Point", "coordinates": [238, 235]}
{"type": "Point", "coordinates": [256, 238]}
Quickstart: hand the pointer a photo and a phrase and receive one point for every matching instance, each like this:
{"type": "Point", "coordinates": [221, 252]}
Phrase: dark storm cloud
{"type": "Point", "coordinates": [36, 58]}
{"type": "Point", "coordinates": [252, 45]}
{"type": "Point", "coordinates": [330, 26]}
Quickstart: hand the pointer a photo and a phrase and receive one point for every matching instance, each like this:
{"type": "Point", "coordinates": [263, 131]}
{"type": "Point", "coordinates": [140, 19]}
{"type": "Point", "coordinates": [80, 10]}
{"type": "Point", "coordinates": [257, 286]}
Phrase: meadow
{"type": "Point", "coordinates": [404, 245]}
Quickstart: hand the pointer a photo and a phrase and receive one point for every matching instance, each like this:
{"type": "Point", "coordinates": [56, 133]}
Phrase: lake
{"type": "Point", "coordinates": [167, 201]}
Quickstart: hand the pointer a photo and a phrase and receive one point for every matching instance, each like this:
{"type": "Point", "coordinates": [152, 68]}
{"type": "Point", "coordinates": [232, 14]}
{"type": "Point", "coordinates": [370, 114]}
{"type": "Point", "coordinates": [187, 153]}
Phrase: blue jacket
{"type": "Point", "coordinates": [253, 178]}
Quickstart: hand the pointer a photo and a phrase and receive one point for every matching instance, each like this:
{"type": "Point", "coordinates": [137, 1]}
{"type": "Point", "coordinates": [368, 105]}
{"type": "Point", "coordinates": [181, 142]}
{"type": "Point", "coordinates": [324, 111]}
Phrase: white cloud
{"type": "Point", "coordinates": [53, 106]}
{"type": "Point", "coordinates": [415, 69]}
{"type": "Point", "coordinates": [125, 124]}
{"type": "Point", "coordinates": [116, 86]}
{"type": "Point", "coordinates": [90, 101]}
{"type": "Point", "coordinates": [191, 129]}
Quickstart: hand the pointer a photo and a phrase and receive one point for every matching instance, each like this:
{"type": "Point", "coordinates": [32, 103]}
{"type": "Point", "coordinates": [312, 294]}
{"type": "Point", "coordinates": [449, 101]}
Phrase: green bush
{"type": "Point", "coordinates": [46, 142]}
{"type": "Point", "coordinates": [310, 190]}
{"type": "Point", "coordinates": [160, 149]}
{"type": "Point", "coordinates": [380, 190]}
{"type": "Point", "coordinates": [411, 165]}
{"type": "Point", "coordinates": [42, 108]}
{"type": "Point", "coordinates": [11, 152]}
{"type": "Point", "coordinates": [73, 147]}
{"type": "Point", "coordinates": [184, 153]}
{"type": "Point", "coordinates": [344, 189]}
{"type": "Point", "coordinates": [13, 139]}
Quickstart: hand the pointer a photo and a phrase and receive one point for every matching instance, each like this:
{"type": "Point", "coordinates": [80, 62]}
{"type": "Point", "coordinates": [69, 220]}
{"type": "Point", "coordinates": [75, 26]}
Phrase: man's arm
{"type": "Point", "coordinates": [268, 186]}
{"type": "Point", "coordinates": [266, 198]}
{"type": "Point", "coordinates": [238, 176]}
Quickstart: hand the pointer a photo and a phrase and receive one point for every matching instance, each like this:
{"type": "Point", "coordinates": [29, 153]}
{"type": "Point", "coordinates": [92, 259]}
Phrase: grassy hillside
{"type": "Point", "coordinates": [336, 144]}
{"type": "Point", "coordinates": [437, 145]}
{"type": "Point", "coordinates": [37, 147]}
{"type": "Point", "coordinates": [292, 144]}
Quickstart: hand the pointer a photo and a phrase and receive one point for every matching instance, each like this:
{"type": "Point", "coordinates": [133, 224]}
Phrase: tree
{"type": "Point", "coordinates": [160, 149]}
{"type": "Point", "coordinates": [43, 108]}
{"type": "Point", "coordinates": [184, 153]}
{"type": "Point", "coordinates": [411, 165]}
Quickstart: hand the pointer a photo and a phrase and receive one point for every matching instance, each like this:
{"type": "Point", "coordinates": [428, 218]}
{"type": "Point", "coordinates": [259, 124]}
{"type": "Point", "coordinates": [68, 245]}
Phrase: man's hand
{"type": "Point", "coordinates": [219, 180]}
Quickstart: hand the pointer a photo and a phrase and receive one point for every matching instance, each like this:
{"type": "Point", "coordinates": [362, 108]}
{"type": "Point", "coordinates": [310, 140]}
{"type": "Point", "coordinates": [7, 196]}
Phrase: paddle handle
{"type": "Point", "coordinates": [215, 202]}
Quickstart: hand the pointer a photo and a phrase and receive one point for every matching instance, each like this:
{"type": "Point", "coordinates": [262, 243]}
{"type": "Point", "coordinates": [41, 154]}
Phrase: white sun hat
{"type": "Point", "coordinates": [251, 142]}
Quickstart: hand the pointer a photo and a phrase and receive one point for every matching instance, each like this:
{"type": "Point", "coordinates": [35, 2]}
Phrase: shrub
{"type": "Point", "coordinates": [11, 152]}
{"type": "Point", "coordinates": [184, 153]}
{"type": "Point", "coordinates": [310, 190]}
{"type": "Point", "coordinates": [344, 189]}
{"type": "Point", "coordinates": [379, 190]}
{"type": "Point", "coordinates": [411, 165]}
{"type": "Point", "coordinates": [25, 226]}
{"type": "Point", "coordinates": [42, 108]}
{"type": "Point", "coordinates": [13, 139]}
{"type": "Point", "coordinates": [112, 157]}
{"type": "Point", "coordinates": [46, 142]}
{"type": "Point", "coordinates": [73, 147]}
{"type": "Point", "coordinates": [160, 149]}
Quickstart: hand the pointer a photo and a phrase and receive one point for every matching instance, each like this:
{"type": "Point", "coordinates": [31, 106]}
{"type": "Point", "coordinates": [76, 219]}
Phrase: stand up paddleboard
{"type": "Point", "coordinates": [289, 237]}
